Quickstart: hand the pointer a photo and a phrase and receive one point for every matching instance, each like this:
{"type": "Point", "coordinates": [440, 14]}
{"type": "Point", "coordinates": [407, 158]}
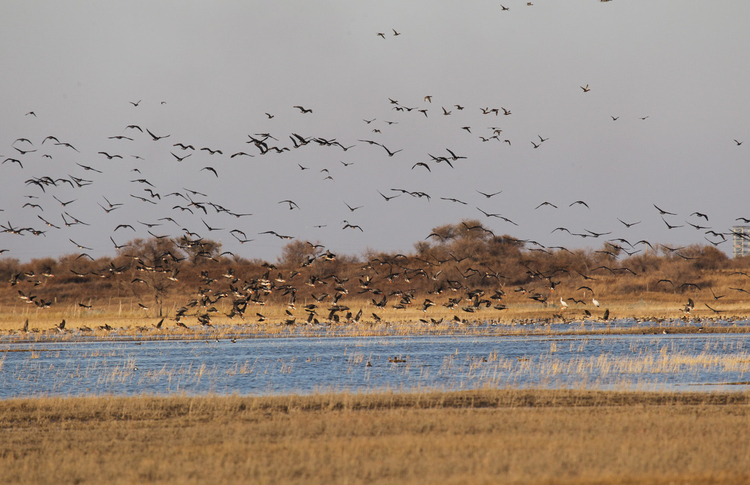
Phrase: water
{"type": "Point", "coordinates": [260, 366]}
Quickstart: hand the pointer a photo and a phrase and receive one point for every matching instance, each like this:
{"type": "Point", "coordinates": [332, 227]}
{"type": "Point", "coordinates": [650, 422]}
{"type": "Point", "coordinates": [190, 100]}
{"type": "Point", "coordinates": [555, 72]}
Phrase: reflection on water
{"type": "Point", "coordinates": [362, 364]}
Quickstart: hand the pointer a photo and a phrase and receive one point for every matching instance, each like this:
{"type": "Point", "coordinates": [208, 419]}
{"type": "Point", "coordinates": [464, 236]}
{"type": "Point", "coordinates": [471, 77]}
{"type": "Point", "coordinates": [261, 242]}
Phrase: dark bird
{"type": "Point", "coordinates": [663, 212]}
{"type": "Point", "coordinates": [545, 203]}
{"type": "Point", "coordinates": [87, 168]}
{"type": "Point", "coordinates": [67, 145]}
{"type": "Point", "coordinates": [389, 198]}
{"type": "Point", "coordinates": [144, 181]}
{"type": "Point", "coordinates": [352, 209]}
{"type": "Point", "coordinates": [292, 204]}
{"type": "Point", "coordinates": [23, 152]}
{"type": "Point", "coordinates": [179, 159]}
{"type": "Point", "coordinates": [669, 225]}
{"type": "Point", "coordinates": [211, 228]}
{"type": "Point", "coordinates": [210, 169]}
{"type": "Point", "coordinates": [347, 225]}
{"type": "Point", "coordinates": [79, 246]}
{"type": "Point", "coordinates": [118, 246]}
{"type": "Point", "coordinates": [110, 157]}
{"type": "Point", "coordinates": [303, 110]}
{"type": "Point", "coordinates": [489, 214]}
{"type": "Point", "coordinates": [716, 297]}
{"type": "Point", "coordinates": [489, 195]}
{"type": "Point", "coordinates": [713, 310]}
{"type": "Point", "coordinates": [238, 154]}
{"type": "Point", "coordinates": [450, 199]}
{"type": "Point", "coordinates": [156, 138]}
{"type": "Point", "coordinates": [48, 223]}
{"type": "Point", "coordinates": [143, 199]}
{"type": "Point", "coordinates": [579, 202]}
{"type": "Point", "coordinates": [628, 224]}
{"type": "Point", "coordinates": [391, 153]}
{"type": "Point", "coordinates": [64, 203]}
{"type": "Point", "coordinates": [280, 236]}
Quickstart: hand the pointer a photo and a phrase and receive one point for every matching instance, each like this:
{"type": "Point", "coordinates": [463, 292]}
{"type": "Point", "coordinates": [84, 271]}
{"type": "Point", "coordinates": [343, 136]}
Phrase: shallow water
{"type": "Point", "coordinates": [258, 366]}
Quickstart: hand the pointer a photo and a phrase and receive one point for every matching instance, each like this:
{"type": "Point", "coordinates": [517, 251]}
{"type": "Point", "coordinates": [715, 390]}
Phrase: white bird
{"type": "Point", "coordinates": [595, 302]}
{"type": "Point", "coordinates": [563, 304]}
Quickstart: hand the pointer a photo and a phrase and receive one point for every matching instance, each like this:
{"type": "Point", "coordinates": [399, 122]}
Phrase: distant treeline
{"type": "Point", "coordinates": [464, 259]}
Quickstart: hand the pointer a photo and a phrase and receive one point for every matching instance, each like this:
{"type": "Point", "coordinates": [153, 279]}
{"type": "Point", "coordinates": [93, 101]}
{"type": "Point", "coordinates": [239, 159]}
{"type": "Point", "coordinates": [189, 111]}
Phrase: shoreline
{"type": "Point", "coordinates": [490, 328]}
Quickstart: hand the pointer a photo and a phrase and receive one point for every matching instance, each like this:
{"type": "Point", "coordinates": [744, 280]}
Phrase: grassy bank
{"type": "Point", "coordinates": [511, 436]}
{"type": "Point", "coordinates": [127, 319]}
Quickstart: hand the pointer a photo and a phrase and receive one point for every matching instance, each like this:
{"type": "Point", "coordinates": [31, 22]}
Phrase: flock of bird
{"type": "Point", "coordinates": [170, 186]}
{"type": "Point", "coordinates": [52, 200]}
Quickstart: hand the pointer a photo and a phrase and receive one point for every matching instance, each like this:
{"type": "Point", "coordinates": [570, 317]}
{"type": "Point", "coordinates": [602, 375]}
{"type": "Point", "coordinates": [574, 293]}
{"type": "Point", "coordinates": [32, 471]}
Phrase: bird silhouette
{"type": "Point", "coordinates": [154, 137]}
{"type": "Point", "coordinates": [490, 195]}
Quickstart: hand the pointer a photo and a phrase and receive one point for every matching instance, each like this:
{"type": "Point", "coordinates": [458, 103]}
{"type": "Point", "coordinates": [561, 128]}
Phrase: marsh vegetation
{"type": "Point", "coordinates": [485, 436]}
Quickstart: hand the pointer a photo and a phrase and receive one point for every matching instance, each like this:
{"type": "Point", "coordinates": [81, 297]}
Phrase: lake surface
{"type": "Point", "coordinates": [261, 366]}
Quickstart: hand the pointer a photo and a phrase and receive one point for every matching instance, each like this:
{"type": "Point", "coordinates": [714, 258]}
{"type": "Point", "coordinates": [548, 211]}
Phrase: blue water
{"type": "Point", "coordinates": [259, 366]}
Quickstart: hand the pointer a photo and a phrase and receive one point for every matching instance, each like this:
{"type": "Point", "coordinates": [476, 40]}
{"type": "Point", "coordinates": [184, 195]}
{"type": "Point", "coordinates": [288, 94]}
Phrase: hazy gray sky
{"type": "Point", "coordinates": [206, 73]}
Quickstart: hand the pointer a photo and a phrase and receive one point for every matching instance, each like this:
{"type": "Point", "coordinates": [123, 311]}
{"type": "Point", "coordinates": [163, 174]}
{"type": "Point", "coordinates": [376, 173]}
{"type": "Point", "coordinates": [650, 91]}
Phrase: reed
{"type": "Point", "coordinates": [484, 436]}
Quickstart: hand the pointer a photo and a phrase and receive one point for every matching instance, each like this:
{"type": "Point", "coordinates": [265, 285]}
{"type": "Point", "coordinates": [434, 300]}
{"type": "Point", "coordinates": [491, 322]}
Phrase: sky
{"type": "Point", "coordinates": [639, 103]}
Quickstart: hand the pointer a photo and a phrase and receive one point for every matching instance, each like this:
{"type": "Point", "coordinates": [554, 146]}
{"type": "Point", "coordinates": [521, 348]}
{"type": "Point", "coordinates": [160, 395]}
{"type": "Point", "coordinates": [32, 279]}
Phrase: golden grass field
{"type": "Point", "coordinates": [125, 316]}
{"type": "Point", "coordinates": [484, 436]}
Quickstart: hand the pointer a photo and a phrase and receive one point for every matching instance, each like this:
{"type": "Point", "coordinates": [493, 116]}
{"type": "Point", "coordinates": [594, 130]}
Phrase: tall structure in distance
{"type": "Point", "coordinates": [740, 241]}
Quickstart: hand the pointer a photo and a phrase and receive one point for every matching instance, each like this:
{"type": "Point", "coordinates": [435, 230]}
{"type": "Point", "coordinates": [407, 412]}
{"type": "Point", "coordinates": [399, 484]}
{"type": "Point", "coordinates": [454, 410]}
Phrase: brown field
{"type": "Point", "coordinates": [486, 436]}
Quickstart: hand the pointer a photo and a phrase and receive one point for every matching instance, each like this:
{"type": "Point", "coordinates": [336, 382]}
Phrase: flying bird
{"type": "Point", "coordinates": [489, 195]}
{"type": "Point", "coordinates": [292, 204]}
{"type": "Point", "coordinates": [210, 169]}
{"type": "Point", "coordinates": [179, 159]}
{"type": "Point", "coordinates": [663, 212]}
{"type": "Point", "coordinates": [156, 138]}
{"type": "Point", "coordinates": [545, 203]}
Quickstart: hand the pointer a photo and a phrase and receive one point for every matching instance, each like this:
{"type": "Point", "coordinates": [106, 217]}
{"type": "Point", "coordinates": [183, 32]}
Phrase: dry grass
{"type": "Point", "coordinates": [131, 322]}
{"type": "Point", "coordinates": [488, 436]}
